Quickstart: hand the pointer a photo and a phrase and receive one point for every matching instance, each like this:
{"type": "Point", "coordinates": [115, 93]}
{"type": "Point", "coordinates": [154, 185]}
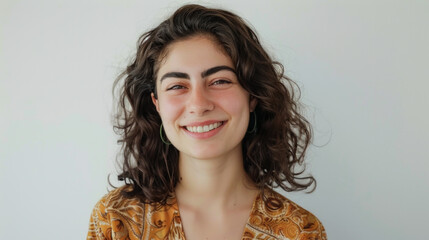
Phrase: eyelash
{"type": "Point", "coordinates": [175, 87]}
{"type": "Point", "coordinates": [220, 81]}
{"type": "Point", "coordinates": [217, 82]}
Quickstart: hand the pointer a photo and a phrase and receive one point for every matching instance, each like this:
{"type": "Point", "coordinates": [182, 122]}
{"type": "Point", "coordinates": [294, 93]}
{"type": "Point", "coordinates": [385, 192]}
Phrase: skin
{"type": "Point", "coordinates": [197, 86]}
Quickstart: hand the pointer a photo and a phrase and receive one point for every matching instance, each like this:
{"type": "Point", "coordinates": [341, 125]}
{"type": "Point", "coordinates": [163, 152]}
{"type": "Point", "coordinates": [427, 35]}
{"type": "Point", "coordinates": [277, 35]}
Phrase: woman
{"type": "Point", "coordinates": [209, 127]}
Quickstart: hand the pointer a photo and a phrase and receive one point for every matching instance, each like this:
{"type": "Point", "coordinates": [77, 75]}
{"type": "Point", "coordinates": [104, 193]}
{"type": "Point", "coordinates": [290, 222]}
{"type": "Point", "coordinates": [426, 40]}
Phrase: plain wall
{"type": "Point", "coordinates": [361, 66]}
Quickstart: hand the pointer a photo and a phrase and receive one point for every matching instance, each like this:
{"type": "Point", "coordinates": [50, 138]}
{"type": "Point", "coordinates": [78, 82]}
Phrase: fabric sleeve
{"type": "Point", "coordinates": [99, 223]}
{"type": "Point", "coordinates": [321, 233]}
{"type": "Point", "coordinates": [312, 228]}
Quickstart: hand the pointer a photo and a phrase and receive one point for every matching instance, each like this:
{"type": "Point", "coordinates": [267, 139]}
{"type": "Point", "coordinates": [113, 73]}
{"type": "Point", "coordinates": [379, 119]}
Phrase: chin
{"type": "Point", "coordinates": [210, 151]}
{"type": "Point", "coordinates": [201, 154]}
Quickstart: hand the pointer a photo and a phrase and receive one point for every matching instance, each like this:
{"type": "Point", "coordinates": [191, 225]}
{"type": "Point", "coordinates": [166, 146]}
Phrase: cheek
{"type": "Point", "coordinates": [169, 109]}
{"type": "Point", "coordinates": [236, 103]}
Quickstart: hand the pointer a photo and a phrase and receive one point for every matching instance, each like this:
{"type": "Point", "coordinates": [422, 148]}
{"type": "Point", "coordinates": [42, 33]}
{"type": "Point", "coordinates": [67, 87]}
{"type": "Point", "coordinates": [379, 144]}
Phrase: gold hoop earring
{"type": "Point", "coordinates": [162, 138]}
{"type": "Point", "coordinates": [253, 117]}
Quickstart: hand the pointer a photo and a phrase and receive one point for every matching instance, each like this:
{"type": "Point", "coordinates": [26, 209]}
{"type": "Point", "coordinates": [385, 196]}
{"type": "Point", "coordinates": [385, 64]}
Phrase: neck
{"type": "Point", "coordinates": [220, 182]}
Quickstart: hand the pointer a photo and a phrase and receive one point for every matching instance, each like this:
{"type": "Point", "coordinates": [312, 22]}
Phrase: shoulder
{"type": "Point", "coordinates": [114, 201]}
{"type": "Point", "coordinates": [281, 218]}
{"type": "Point", "coordinates": [116, 215]}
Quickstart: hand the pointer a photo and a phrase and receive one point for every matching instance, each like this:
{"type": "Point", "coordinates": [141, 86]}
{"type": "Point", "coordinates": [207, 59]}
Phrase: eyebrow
{"type": "Point", "coordinates": [204, 74]}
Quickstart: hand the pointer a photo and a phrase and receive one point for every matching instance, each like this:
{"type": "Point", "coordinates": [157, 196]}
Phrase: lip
{"type": "Point", "coordinates": [196, 124]}
{"type": "Point", "coordinates": [203, 135]}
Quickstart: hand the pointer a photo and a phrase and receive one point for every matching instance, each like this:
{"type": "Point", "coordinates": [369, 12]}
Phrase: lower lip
{"type": "Point", "coordinates": [204, 135]}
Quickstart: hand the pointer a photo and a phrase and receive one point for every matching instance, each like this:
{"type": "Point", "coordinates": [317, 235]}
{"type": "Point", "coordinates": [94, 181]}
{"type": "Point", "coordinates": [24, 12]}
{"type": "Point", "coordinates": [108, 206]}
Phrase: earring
{"type": "Point", "coordinates": [162, 138]}
{"type": "Point", "coordinates": [252, 119]}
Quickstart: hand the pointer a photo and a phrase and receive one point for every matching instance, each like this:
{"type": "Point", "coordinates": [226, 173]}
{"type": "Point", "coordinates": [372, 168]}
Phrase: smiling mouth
{"type": "Point", "coordinates": [205, 128]}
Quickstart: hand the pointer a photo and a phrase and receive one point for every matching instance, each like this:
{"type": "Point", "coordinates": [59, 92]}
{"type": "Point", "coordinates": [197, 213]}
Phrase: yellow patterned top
{"type": "Point", "coordinates": [117, 217]}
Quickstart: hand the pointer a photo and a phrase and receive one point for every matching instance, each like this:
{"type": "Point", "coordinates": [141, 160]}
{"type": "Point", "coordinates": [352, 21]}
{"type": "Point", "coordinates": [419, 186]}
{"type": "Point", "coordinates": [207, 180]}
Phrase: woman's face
{"type": "Point", "coordinates": [204, 109]}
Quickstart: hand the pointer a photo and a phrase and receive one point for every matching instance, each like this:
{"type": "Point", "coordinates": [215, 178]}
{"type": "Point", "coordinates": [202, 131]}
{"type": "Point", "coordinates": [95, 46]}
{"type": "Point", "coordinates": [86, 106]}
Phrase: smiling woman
{"type": "Point", "coordinates": [209, 126]}
{"type": "Point", "coordinates": [199, 90]}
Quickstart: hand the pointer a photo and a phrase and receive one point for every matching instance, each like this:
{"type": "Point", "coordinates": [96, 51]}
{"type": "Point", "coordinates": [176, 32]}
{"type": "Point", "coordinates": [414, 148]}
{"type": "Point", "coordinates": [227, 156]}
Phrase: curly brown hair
{"type": "Point", "coordinates": [273, 155]}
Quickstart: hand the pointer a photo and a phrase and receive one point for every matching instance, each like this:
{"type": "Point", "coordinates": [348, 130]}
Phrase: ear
{"type": "Point", "coordinates": [253, 103]}
{"type": "Point", "coordinates": [155, 101]}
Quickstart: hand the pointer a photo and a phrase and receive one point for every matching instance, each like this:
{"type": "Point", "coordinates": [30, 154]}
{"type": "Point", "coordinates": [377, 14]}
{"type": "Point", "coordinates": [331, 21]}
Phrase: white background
{"type": "Point", "coordinates": [362, 67]}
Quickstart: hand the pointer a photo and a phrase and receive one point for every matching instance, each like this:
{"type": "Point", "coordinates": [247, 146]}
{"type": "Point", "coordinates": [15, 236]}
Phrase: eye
{"type": "Point", "coordinates": [220, 82]}
{"type": "Point", "coordinates": [175, 87]}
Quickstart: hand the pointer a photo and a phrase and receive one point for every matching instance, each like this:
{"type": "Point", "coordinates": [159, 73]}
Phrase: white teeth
{"type": "Point", "coordinates": [206, 128]}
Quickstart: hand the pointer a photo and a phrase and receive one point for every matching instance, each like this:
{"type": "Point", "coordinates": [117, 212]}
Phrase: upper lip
{"type": "Point", "coordinates": [196, 124]}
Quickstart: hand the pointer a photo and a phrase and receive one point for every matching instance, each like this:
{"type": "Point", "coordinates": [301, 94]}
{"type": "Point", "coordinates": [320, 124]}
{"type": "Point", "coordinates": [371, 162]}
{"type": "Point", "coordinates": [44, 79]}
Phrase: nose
{"type": "Point", "coordinates": [199, 101]}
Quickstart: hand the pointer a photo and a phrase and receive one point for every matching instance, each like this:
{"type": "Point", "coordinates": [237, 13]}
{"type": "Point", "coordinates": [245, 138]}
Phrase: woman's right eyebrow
{"type": "Point", "coordinates": [175, 75]}
{"type": "Point", "coordinates": [204, 74]}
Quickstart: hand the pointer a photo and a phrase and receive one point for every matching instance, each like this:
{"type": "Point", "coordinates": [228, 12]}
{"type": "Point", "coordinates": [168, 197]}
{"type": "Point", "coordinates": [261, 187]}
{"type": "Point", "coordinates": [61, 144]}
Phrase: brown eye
{"type": "Point", "coordinates": [175, 87]}
{"type": "Point", "coordinates": [220, 82]}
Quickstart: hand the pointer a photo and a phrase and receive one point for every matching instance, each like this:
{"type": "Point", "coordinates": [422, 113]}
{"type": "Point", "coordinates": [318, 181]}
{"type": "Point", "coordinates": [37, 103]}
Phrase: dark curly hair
{"type": "Point", "coordinates": [273, 156]}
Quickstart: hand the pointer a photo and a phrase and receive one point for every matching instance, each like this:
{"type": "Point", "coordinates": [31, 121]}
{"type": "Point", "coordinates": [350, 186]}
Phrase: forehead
{"type": "Point", "coordinates": [197, 52]}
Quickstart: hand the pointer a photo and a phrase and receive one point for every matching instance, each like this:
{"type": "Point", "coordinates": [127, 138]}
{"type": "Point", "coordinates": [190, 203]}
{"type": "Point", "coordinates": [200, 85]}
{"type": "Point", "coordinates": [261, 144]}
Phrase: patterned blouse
{"type": "Point", "coordinates": [117, 217]}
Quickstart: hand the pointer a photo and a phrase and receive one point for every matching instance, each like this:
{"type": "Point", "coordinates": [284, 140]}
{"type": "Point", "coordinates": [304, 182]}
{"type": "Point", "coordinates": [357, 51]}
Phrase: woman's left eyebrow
{"type": "Point", "coordinates": [216, 69]}
{"type": "Point", "coordinates": [204, 74]}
